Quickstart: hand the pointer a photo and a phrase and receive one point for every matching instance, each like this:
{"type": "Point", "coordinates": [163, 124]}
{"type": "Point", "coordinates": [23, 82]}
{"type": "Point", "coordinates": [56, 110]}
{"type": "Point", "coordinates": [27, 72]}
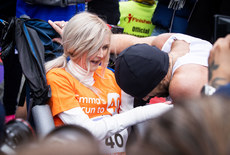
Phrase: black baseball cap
{"type": "Point", "coordinates": [140, 68]}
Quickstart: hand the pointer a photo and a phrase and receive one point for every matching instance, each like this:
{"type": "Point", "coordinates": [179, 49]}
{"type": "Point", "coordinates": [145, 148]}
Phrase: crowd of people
{"type": "Point", "coordinates": [94, 108]}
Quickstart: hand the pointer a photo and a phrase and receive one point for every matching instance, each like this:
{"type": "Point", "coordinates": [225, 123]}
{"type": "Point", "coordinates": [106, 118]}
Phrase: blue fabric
{"type": "Point", "coordinates": [1, 72]}
{"type": "Point", "coordinates": [223, 91]}
{"type": "Point", "coordinates": [158, 30]}
{"type": "Point", "coordinates": [179, 25]}
{"type": "Point", "coordinates": [46, 33]}
{"type": "Point", "coordinates": [111, 69]}
{"type": "Point", "coordinates": [2, 121]}
{"type": "Point", "coordinates": [44, 12]}
{"type": "Point", "coordinates": [80, 7]}
{"type": "Point", "coordinates": [163, 16]}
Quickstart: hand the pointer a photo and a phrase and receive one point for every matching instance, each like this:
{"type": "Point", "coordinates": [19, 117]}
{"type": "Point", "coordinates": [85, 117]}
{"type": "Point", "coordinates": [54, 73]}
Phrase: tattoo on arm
{"type": "Point", "coordinates": [218, 81]}
{"type": "Point", "coordinates": [212, 67]}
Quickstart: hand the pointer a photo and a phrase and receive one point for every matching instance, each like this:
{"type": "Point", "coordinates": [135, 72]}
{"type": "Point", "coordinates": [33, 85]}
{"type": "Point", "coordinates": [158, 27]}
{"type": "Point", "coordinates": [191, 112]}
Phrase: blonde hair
{"type": "Point", "coordinates": [84, 33]}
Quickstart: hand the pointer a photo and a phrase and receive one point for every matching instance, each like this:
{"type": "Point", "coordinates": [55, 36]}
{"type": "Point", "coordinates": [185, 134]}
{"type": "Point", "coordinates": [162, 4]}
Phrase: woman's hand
{"type": "Point", "coordinates": [58, 26]}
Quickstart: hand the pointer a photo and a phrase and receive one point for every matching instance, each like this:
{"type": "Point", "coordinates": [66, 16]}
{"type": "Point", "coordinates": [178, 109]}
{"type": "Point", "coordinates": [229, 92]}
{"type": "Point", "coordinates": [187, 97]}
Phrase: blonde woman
{"type": "Point", "coordinates": [85, 92]}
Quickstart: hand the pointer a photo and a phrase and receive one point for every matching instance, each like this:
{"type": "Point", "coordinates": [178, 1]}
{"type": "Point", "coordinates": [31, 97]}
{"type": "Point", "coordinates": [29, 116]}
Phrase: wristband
{"type": "Point", "coordinates": [208, 90]}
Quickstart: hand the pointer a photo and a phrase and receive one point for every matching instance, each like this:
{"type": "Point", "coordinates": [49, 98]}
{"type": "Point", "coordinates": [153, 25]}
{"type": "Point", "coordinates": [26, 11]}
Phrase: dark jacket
{"type": "Point", "coordinates": [106, 9]}
{"type": "Point", "coordinates": [171, 19]}
{"type": "Point", "coordinates": [201, 24]}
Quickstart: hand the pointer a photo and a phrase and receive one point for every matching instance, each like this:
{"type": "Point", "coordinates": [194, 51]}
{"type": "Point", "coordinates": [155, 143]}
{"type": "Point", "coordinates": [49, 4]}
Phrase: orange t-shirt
{"type": "Point", "coordinates": [68, 92]}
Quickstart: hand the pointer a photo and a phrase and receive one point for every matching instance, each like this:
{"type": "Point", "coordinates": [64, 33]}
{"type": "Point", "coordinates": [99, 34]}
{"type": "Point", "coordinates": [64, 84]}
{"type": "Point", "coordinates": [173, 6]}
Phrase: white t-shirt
{"type": "Point", "coordinates": [198, 53]}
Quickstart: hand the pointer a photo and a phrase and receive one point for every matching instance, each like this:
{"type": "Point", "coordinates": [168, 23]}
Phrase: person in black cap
{"type": "Point", "coordinates": [173, 65]}
{"type": "Point", "coordinates": [144, 67]}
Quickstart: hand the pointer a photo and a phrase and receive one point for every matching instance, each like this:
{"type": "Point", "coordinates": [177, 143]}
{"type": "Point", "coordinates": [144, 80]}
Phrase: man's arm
{"type": "Point", "coordinates": [119, 42]}
{"type": "Point", "coordinates": [188, 81]}
{"type": "Point", "coordinates": [122, 41]}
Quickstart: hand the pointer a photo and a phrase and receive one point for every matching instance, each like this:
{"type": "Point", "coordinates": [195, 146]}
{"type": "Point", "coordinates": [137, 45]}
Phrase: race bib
{"type": "Point", "coordinates": [115, 145]}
